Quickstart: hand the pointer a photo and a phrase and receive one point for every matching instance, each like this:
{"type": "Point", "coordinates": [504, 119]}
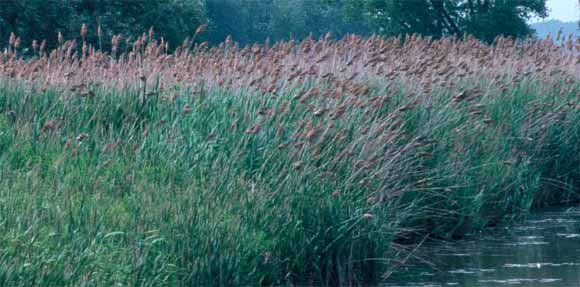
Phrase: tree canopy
{"type": "Point", "coordinates": [43, 19]}
{"type": "Point", "coordinates": [256, 21]}
{"type": "Point", "coordinates": [484, 19]}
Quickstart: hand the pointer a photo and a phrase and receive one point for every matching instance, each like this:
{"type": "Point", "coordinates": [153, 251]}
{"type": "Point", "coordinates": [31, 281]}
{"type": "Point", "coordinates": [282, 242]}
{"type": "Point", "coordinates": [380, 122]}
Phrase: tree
{"type": "Point", "coordinates": [484, 19]}
{"type": "Point", "coordinates": [316, 18]}
{"type": "Point", "coordinates": [33, 19]}
{"type": "Point", "coordinates": [245, 21]}
{"type": "Point", "coordinates": [488, 19]}
{"type": "Point", "coordinates": [172, 19]}
{"type": "Point", "coordinates": [43, 19]}
{"type": "Point", "coordinates": [255, 21]}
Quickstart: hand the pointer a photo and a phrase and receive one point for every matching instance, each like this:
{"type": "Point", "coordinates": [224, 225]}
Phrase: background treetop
{"type": "Point", "coordinates": [249, 21]}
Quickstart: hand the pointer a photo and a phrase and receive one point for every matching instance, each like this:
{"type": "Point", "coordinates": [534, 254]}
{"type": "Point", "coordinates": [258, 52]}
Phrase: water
{"type": "Point", "coordinates": [544, 250]}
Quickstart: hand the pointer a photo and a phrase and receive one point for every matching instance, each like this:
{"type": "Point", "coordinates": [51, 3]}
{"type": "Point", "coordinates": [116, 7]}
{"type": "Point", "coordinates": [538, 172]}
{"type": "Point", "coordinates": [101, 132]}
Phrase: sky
{"type": "Point", "coordinates": [564, 10]}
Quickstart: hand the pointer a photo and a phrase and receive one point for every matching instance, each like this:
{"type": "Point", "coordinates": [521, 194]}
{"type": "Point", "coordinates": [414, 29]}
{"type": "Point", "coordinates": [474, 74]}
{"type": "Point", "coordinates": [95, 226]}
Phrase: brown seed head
{"type": "Point", "coordinates": [254, 129]}
{"type": "Point", "coordinates": [68, 144]}
{"type": "Point", "coordinates": [43, 46]}
{"type": "Point", "coordinates": [83, 30]}
{"type": "Point", "coordinates": [328, 36]}
{"type": "Point", "coordinates": [200, 29]}
{"type": "Point", "coordinates": [12, 39]}
{"type": "Point", "coordinates": [48, 125]}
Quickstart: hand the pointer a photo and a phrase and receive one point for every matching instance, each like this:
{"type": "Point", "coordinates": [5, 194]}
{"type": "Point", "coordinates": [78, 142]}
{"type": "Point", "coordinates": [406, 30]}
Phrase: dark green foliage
{"type": "Point", "coordinates": [184, 200]}
{"type": "Point", "coordinates": [175, 20]}
{"type": "Point", "coordinates": [152, 196]}
{"type": "Point", "coordinates": [485, 19]}
{"type": "Point", "coordinates": [42, 19]}
{"type": "Point", "coordinates": [34, 19]}
{"type": "Point", "coordinates": [255, 21]}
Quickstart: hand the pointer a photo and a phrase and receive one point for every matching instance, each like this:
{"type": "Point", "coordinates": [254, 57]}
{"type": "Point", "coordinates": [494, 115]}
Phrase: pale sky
{"type": "Point", "coordinates": [563, 10]}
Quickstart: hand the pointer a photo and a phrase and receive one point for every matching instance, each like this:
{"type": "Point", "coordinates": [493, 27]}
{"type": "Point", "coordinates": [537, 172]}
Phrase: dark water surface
{"type": "Point", "coordinates": [544, 250]}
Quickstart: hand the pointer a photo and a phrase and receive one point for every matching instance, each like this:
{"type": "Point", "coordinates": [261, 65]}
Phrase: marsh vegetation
{"type": "Point", "coordinates": [314, 162]}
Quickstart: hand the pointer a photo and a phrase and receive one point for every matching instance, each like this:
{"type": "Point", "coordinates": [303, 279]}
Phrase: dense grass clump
{"type": "Point", "coordinates": [138, 173]}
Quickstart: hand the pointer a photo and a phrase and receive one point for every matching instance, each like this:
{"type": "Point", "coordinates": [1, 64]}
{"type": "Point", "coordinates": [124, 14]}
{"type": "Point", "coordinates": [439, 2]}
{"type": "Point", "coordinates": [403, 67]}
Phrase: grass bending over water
{"type": "Point", "coordinates": [291, 163]}
{"type": "Point", "coordinates": [236, 188]}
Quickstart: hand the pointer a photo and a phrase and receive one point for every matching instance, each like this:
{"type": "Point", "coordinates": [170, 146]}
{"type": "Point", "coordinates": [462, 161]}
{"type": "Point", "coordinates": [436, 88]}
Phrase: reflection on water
{"type": "Point", "coordinates": [542, 251]}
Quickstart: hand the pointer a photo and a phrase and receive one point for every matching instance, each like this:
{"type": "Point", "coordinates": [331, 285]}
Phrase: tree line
{"type": "Point", "coordinates": [249, 21]}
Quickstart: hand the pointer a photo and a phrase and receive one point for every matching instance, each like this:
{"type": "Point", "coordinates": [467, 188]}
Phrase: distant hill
{"type": "Point", "coordinates": [552, 27]}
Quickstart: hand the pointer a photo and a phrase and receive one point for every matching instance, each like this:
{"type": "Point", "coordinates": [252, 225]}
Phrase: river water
{"type": "Point", "coordinates": [543, 250]}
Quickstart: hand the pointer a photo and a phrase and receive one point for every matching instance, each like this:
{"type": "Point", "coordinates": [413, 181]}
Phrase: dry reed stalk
{"type": "Point", "coordinates": [274, 67]}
